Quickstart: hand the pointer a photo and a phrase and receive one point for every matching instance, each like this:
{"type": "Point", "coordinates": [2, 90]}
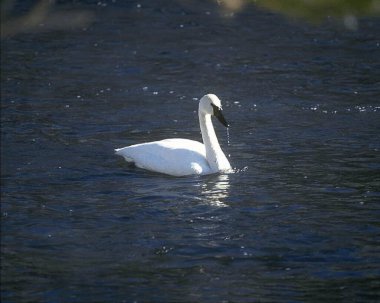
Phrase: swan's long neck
{"type": "Point", "coordinates": [214, 154]}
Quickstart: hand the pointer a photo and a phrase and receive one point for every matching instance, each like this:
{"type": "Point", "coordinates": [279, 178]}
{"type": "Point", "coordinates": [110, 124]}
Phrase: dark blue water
{"type": "Point", "coordinates": [297, 222]}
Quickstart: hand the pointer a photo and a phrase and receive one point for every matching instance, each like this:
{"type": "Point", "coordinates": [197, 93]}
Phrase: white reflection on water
{"type": "Point", "coordinates": [216, 190]}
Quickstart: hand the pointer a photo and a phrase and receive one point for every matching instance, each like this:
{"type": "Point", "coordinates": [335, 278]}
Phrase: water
{"type": "Point", "coordinates": [297, 222]}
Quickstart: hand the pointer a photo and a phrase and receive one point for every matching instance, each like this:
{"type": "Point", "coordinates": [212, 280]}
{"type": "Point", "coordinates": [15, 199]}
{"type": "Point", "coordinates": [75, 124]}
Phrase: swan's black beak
{"type": "Point", "coordinates": [218, 113]}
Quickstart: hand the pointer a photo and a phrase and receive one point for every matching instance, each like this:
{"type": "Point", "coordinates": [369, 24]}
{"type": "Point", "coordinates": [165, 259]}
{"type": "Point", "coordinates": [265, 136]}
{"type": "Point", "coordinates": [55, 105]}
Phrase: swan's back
{"type": "Point", "coordinates": [177, 157]}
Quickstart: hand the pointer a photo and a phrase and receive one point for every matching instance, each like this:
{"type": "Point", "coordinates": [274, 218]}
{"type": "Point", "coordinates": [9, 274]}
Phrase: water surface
{"type": "Point", "coordinates": [297, 222]}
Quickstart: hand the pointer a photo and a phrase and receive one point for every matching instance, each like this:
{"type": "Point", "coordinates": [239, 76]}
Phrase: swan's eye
{"type": "Point", "coordinates": [216, 108]}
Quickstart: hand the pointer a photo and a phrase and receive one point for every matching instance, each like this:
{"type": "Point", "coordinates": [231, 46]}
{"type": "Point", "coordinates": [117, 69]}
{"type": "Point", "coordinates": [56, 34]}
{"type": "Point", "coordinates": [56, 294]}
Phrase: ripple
{"type": "Point", "coordinates": [353, 109]}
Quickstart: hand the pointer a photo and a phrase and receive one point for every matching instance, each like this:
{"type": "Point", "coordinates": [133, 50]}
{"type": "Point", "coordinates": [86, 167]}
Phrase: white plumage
{"type": "Point", "coordinates": [181, 157]}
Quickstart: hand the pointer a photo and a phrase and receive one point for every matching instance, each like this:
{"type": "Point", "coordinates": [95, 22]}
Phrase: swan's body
{"type": "Point", "coordinates": [181, 157]}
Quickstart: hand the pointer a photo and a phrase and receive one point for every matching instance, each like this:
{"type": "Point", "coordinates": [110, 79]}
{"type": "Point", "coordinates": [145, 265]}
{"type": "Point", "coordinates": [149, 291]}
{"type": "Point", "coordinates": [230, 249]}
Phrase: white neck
{"type": "Point", "coordinates": [214, 154]}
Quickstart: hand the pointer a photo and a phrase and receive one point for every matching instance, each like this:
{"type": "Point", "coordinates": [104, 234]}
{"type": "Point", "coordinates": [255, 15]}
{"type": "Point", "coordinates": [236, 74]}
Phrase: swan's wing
{"type": "Point", "coordinates": [177, 157]}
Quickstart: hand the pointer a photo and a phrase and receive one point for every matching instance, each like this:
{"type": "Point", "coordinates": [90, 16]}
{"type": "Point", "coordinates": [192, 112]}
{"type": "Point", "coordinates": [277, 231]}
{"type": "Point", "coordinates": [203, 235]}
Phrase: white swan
{"type": "Point", "coordinates": [181, 157]}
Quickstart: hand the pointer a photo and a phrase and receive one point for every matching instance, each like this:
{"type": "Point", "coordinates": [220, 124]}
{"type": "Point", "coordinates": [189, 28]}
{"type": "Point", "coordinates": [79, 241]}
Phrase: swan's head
{"type": "Point", "coordinates": [211, 105]}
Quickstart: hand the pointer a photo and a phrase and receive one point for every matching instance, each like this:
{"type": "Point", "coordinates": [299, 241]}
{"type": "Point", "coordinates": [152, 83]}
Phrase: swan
{"type": "Point", "coordinates": [182, 157]}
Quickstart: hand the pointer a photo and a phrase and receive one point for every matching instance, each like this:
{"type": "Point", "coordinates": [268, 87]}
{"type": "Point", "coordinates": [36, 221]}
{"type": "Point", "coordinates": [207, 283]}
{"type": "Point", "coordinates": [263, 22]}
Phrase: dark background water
{"type": "Point", "coordinates": [297, 222]}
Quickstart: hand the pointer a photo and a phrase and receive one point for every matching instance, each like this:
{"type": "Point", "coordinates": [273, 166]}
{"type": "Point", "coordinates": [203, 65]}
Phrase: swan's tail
{"type": "Point", "coordinates": [121, 152]}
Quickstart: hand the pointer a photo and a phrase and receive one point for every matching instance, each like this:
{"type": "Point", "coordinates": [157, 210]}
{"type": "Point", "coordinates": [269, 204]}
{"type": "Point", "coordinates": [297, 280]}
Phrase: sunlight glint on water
{"type": "Point", "coordinates": [81, 225]}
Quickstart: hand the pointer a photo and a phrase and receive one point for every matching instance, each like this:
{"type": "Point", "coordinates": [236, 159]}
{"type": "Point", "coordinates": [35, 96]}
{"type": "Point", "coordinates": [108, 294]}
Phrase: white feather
{"type": "Point", "coordinates": [181, 157]}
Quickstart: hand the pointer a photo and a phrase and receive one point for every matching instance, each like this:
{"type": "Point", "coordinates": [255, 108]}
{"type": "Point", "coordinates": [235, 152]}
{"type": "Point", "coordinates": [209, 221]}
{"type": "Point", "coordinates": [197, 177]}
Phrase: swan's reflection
{"type": "Point", "coordinates": [215, 190]}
